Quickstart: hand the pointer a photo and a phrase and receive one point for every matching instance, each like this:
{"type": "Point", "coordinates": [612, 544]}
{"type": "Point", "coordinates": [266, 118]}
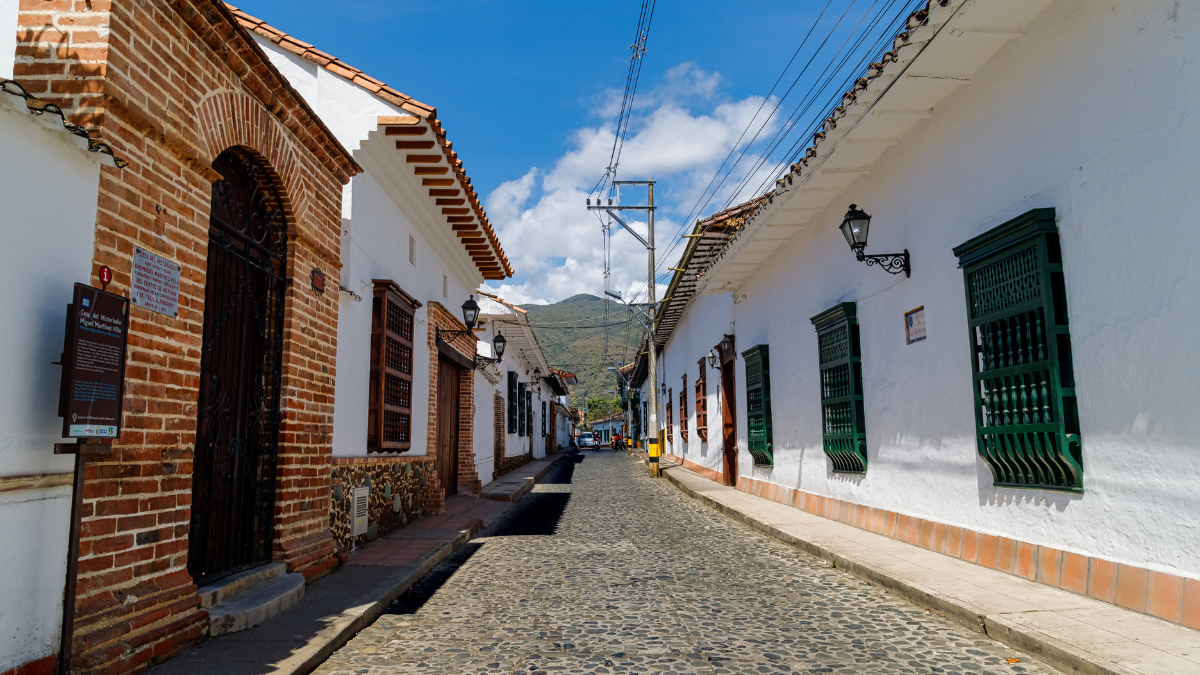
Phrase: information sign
{"type": "Point", "coordinates": [94, 364]}
{"type": "Point", "coordinates": [155, 282]}
{"type": "Point", "coordinates": [914, 324]}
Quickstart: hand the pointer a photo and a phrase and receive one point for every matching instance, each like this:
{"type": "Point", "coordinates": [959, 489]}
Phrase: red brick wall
{"type": "Point", "coordinates": [145, 77]}
{"type": "Point", "coordinates": [468, 478]}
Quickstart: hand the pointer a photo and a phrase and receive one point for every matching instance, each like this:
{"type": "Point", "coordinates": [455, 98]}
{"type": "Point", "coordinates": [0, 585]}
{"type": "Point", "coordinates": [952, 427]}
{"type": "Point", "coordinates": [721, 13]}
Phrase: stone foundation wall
{"type": "Point", "coordinates": [400, 488]}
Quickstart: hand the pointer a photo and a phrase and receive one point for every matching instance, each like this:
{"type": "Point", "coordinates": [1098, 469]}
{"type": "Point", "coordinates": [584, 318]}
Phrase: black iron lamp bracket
{"type": "Point", "coordinates": [892, 263]}
{"type": "Point", "coordinates": [481, 361]}
{"type": "Point", "coordinates": [448, 335]}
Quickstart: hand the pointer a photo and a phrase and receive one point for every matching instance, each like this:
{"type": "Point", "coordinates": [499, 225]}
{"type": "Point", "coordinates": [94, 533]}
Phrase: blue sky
{"type": "Point", "coordinates": [528, 93]}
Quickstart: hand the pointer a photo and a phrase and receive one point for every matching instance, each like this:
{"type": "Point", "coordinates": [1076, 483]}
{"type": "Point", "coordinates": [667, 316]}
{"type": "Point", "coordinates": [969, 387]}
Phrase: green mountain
{"type": "Point", "coordinates": [572, 334]}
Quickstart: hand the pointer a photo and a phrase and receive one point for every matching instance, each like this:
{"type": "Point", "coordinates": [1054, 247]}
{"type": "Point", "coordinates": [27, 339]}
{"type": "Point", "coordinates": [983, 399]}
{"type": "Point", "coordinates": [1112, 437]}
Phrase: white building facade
{"type": "Point", "coordinates": [1022, 400]}
{"type": "Point", "coordinates": [50, 183]}
{"type": "Point", "coordinates": [515, 397]}
{"type": "Point", "coordinates": [415, 243]}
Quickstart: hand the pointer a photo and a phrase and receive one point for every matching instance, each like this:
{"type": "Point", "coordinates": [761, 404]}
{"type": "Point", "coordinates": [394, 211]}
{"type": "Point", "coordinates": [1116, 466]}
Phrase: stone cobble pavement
{"type": "Point", "coordinates": [603, 570]}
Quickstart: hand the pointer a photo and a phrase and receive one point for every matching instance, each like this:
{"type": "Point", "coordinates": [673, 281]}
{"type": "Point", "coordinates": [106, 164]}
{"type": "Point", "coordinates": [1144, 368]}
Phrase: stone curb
{"type": "Point", "coordinates": [1053, 652]}
{"type": "Point", "coordinates": [333, 637]}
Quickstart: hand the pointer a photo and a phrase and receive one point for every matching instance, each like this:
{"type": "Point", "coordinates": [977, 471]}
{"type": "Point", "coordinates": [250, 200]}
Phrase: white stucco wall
{"type": "Point", "coordinates": [1091, 112]}
{"type": "Point", "coordinates": [49, 191]}
{"type": "Point", "coordinates": [706, 321]}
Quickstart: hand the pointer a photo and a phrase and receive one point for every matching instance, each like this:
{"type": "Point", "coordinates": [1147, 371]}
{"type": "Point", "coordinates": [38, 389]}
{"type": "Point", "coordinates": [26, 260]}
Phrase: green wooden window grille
{"type": "Point", "coordinates": [1026, 417]}
{"type": "Point", "coordinates": [843, 420]}
{"type": "Point", "coordinates": [758, 405]}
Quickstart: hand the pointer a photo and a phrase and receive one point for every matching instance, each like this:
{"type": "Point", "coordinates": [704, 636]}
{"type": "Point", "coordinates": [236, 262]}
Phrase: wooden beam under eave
{"type": "Point", "coordinates": [474, 240]}
{"type": "Point", "coordinates": [455, 212]}
{"type": "Point", "coordinates": [436, 192]}
{"type": "Point", "coordinates": [468, 233]}
{"type": "Point", "coordinates": [449, 202]}
{"type": "Point", "coordinates": [405, 131]}
{"type": "Point", "coordinates": [414, 145]}
{"type": "Point", "coordinates": [459, 219]}
{"type": "Point", "coordinates": [423, 159]}
{"type": "Point", "coordinates": [465, 227]}
{"type": "Point", "coordinates": [436, 181]}
{"type": "Point", "coordinates": [433, 171]}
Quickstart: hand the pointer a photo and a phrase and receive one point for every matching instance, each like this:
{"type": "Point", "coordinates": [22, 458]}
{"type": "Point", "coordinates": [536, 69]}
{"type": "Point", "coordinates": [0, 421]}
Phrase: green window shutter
{"type": "Point", "coordinates": [758, 405]}
{"type": "Point", "coordinates": [843, 420]}
{"type": "Point", "coordinates": [1026, 417]}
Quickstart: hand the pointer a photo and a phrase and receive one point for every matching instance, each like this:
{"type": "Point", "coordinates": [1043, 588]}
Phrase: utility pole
{"type": "Point", "coordinates": [656, 444]}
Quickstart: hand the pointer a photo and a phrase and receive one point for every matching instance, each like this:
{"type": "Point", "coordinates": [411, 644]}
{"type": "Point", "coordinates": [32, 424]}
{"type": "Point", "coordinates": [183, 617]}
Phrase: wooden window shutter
{"type": "Point", "coordinates": [1026, 414]}
{"type": "Point", "coordinates": [758, 405]}
{"type": "Point", "coordinates": [529, 410]}
{"type": "Point", "coordinates": [670, 422]}
{"type": "Point", "coordinates": [498, 433]}
{"type": "Point", "coordinates": [702, 403]}
{"type": "Point", "coordinates": [843, 419]}
{"type": "Point", "coordinates": [683, 413]}
{"type": "Point", "coordinates": [522, 417]}
{"type": "Point", "coordinates": [389, 412]}
{"type": "Point", "coordinates": [512, 402]}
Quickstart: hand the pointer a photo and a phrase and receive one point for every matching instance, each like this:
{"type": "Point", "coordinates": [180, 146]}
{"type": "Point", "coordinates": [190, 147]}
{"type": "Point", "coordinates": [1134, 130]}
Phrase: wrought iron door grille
{"type": "Point", "coordinates": [1026, 417]}
{"type": "Point", "coordinates": [759, 430]}
{"type": "Point", "coordinates": [843, 417]}
{"type": "Point", "coordinates": [240, 364]}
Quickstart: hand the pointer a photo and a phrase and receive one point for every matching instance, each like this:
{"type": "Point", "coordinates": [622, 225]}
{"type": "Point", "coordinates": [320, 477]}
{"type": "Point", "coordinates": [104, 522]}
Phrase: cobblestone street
{"type": "Point", "coordinates": [603, 570]}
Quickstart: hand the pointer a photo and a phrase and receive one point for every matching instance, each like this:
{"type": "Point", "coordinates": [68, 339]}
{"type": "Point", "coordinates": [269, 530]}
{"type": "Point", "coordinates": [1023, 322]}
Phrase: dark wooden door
{"type": "Point", "coordinates": [447, 425]}
{"type": "Point", "coordinates": [729, 450]}
{"type": "Point", "coordinates": [233, 482]}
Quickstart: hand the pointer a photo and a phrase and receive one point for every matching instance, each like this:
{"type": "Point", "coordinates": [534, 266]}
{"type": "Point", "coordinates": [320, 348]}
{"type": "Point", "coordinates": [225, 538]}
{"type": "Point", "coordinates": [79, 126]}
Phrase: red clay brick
{"type": "Point", "coordinates": [1049, 566]}
{"type": "Point", "coordinates": [1191, 604]}
{"type": "Point", "coordinates": [1164, 596]}
{"type": "Point", "coordinates": [987, 550]}
{"type": "Point", "coordinates": [1131, 587]}
{"type": "Point", "coordinates": [1102, 580]}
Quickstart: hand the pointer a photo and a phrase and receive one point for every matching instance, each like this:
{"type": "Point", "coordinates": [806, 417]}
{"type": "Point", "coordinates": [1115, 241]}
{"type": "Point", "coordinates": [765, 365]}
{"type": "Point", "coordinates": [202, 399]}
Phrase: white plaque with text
{"type": "Point", "coordinates": [155, 282]}
{"type": "Point", "coordinates": [914, 325]}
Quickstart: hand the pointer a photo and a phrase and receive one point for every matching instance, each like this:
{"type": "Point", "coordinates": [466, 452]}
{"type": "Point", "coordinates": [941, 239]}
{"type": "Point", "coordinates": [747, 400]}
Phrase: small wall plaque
{"type": "Point", "coordinates": [318, 281]}
{"type": "Point", "coordinates": [914, 325]}
{"type": "Point", "coordinates": [155, 282]}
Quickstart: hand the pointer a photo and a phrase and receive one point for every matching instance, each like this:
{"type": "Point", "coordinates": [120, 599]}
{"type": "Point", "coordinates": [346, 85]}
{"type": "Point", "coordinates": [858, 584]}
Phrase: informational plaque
{"type": "Point", "coordinates": [155, 282]}
{"type": "Point", "coordinates": [94, 364]}
{"type": "Point", "coordinates": [914, 324]}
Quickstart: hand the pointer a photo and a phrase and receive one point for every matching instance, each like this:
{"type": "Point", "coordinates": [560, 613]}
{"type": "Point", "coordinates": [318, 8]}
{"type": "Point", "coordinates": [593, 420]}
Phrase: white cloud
{"type": "Point", "coordinates": [680, 137]}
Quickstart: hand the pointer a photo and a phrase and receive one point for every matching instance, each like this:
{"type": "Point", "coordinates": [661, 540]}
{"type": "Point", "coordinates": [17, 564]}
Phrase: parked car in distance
{"type": "Point", "coordinates": [587, 440]}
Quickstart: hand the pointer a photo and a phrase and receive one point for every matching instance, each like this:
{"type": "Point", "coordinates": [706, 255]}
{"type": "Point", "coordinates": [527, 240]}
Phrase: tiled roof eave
{"type": "Point", "coordinates": [390, 95]}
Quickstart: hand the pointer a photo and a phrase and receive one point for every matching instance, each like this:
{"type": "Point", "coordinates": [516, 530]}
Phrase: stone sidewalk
{"type": "Point", "coordinates": [1068, 631]}
{"type": "Point", "coordinates": [336, 607]}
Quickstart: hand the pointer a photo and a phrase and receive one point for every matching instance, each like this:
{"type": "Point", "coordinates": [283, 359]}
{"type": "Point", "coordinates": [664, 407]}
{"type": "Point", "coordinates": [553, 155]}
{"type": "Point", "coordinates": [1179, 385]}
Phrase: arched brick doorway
{"type": "Point", "coordinates": [233, 489]}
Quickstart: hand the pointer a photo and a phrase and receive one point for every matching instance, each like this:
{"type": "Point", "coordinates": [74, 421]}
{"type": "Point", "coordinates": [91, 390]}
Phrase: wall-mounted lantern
{"type": "Point", "coordinates": [854, 227]}
{"type": "Point", "coordinates": [470, 310]}
{"type": "Point", "coordinates": [498, 344]}
{"type": "Point", "coordinates": [712, 359]}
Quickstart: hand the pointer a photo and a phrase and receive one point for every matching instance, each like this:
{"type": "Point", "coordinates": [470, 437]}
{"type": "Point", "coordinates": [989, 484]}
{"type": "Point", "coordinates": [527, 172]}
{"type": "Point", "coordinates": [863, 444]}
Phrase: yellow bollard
{"type": "Point", "coordinates": [655, 468]}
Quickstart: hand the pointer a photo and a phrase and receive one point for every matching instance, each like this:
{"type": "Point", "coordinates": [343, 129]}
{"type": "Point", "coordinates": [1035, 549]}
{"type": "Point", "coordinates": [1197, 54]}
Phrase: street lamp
{"type": "Point", "coordinates": [470, 310]}
{"type": "Point", "coordinates": [854, 227]}
{"type": "Point", "coordinates": [726, 345]}
{"type": "Point", "coordinates": [712, 359]}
